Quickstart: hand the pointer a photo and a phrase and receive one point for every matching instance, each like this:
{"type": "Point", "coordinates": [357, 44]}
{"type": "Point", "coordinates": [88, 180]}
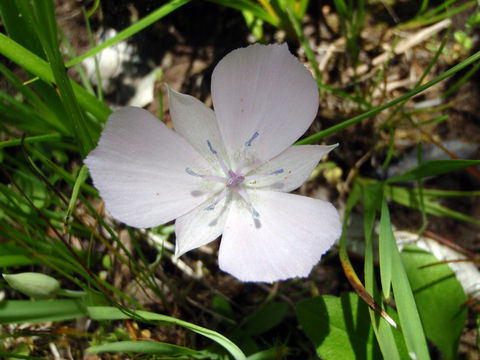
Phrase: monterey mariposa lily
{"type": "Point", "coordinates": [226, 172]}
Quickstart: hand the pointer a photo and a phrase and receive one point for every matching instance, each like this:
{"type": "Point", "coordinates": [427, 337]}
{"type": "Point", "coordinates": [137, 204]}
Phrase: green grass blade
{"type": "Point", "coordinates": [247, 5]}
{"type": "Point", "coordinates": [433, 168]}
{"type": "Point", "coordinates": [47, 30]}
{"type": "Point", "coordinates": [40, 107]}
{"type": "Point", "coordinates": [385, 251]}
{"type": "Point", "coordinates": [82, 176]}
{"type": "Point", "coordinates": [332, 130]}
{"type": "Point", "coordinates": [411, 198]}
{"type": "Point", "coordinates": [384, 332]}
{"type": "Point", "coordinates": [110, 313]}
{"type": "Point", "coordinates": [26, 311]}
{"type": "Point", "coordinates": [131, 30]}
{"type": "Point", "coordinates": [411, 324]}
{"type": "Point", "coordinates": [79, 68]}
{"type": "Point", "coordinates": [30, 140]}
{"type": "Point", "coordinates": [39, 67]}
{"type": "Point", "coordinates": [146, 347]}
{"type": "Point", "coordinates": [19, 25]}
{"type": "Point", "coordinates": [16, 260]}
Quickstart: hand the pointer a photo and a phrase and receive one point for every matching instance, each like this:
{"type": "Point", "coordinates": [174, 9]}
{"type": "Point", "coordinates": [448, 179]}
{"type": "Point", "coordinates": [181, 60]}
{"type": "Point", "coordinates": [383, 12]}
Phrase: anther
{"type": "Point", "coordinates": [207, 177]}
{"type": "Point", "coordinates": [249, 142]}
{"type": "Point", "coordinates": [191, 172]}
{"type": "Point", "coordinates": [219, 198]}
{"type": "Point", "coordinates": [259, 176]}
{"type": "Point", "coordinates": [219, 159]}
{"type": "Point", "coordinates": [211, 147]}
{"type": "Point", "coordinates": [243, 194]}
{"type": "Point", "coordinates": [244, 152]}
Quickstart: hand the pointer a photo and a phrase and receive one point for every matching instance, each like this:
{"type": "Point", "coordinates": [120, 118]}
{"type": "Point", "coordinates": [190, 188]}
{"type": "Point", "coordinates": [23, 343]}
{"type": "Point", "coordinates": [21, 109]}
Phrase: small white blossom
{"type": "Point", "coordinates": [226, 172]}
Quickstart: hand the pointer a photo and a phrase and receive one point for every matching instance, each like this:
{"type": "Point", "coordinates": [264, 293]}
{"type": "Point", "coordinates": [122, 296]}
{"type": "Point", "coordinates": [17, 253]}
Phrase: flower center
{"type": "Point", "coordinates": [233, 179]}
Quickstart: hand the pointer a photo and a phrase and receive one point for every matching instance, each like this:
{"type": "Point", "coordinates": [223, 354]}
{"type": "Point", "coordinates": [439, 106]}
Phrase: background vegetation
{"type": "Point", "coordinates": [399, 93]}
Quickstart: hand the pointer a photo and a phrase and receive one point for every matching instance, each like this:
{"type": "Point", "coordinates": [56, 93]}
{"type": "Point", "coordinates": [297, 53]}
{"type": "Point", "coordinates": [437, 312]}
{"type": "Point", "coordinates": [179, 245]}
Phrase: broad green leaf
{"type": "Point", "coordinates": [265, 318]}
{"type": "Point", "coordinates": [433, 168]}
{"type": "Point", "coordinates": [222, 306]}
{"type": "Point", "coordinates": [407, 309]}
{"type": "Point", "coordinates": [36, 285]}
{"type": "Point", "coordinates": [440, 299]}
{"type": "Point", "coordinates": [339, 327]}
{"type": "Point", "coordinates": [275, 353]}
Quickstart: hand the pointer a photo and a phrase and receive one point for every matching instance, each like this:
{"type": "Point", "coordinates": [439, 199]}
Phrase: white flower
{"type": "Point", "coordinates": [227, 172]}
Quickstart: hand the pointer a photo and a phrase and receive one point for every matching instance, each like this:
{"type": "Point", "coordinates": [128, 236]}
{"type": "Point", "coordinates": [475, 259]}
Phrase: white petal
{"type": "Point", "coordinates": [139, 168]}
{"type": "Point", "coordinates": [200, 226]}
{"type": "Point", "coordinates": [262, 89]}
{"type": "Point", "coordinates": [297, 164]}
{"type": "Point", "coordinates": [288, 239]}
{"type": "Point", "coordinates": [196, 123]}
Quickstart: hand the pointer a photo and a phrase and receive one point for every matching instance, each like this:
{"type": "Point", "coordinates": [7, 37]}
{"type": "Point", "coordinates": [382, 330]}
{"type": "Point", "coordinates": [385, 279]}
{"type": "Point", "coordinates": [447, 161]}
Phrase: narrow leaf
{"type": "Point", "coordinates": [440, 299]}
{"type": "Point", "coordinates": [412, 328]}
{"type": "Point", "coordinates": [433, 168]}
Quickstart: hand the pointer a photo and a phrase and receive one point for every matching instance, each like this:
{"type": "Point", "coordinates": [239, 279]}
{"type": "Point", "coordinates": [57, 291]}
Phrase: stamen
{"type": "Point", "coordinates": [244, 152]}
{"type": "Point", "coordinates": [249, 142]}
{"type": "Point", "coordinates": [208, 177]}
{"type": "Point", "coordinates": [211, 147]}
{"type": "Point", "coordinates": [259, 176]}
{"type": "Point", "coordinates": [276, 172]}
{"type": "Point", "coordinates": [219, 159]}
{"type": "Point", "coordinates": [191, 172]}
{"type": "Point", "coordinates": [241, 191]}
{"type": "Point", "coordinates": [220, 198]}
